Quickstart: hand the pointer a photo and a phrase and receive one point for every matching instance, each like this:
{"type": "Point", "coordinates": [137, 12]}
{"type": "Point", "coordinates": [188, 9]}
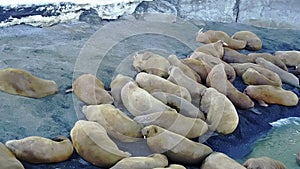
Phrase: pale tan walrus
{"type": "Point", "coordinates": [151, 63]}
{"type": "Point", "coordinates": [221, 113]}
{"type": "Point", "coordinates": [37, 149]}
{"type": "Point", "coordinates": [21, 82]}
{"type": "Point", "coordinates": [172, 166]}
{"type": "Point", "coordinates": [272, 95]}
{"type": "Point", "coordinates": [116, 123]}
{"type": "Point", "coordinates": [175, 122]}
{"type": "Point", "coordinates": [253, 41]}
{"type": "Point", "coordinates": [214, 49]}
{"type": "Point", "coordinates": [149, 162]}
{"type": "Point", "coordinates": [139, 102]}
{"type": "Point", "coordinates": [92, 143]}
{"type": "Point", "coordinates": [217, 160]}
{"type": "Point", "coordinates": [290, 58]}
{"type": "Point", "coordinates": [176, 147]}
{"type": "Point", "coordinates": [89, 89]}
{"type": "Point", "coordinates": [212, 36]}
{"type": "Point", "coordinates": [8, 160]}
{"type": "Point", "coordinates": [153, 83]}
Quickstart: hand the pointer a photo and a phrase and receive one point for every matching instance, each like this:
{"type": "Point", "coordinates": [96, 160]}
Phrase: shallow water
{"type": "Point", "coordinates": [282, 143]}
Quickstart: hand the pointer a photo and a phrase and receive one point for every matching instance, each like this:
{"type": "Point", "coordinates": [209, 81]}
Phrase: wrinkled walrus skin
{"type": "Point", "coordinates": [92, 143]}
{"type": "Point", "coordinates": [152, 161]}
{"type": "Point", "coordinates": [8, 159]}
{"type": "Point", "coordinates": [176, 147]}
{"type": "Point", "coordinates": [116, 123]}
{"type": "Point", "coordinates": [21, 82]}
{"type": "Point", "coordinates": [38, 150]}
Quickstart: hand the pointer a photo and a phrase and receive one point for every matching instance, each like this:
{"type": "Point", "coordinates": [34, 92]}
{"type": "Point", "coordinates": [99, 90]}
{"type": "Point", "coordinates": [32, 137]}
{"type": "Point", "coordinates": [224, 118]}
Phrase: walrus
{"type": "Point", "coordinates": [149, 162]}
{"type": "Point", "coordinates": [269, 57]}
{"type": "Point", "coordinates": [172, 166]}
{"type": "Point", "coordinates": [185, 69]}
{"type": "Point", "coordinates": [199, 66]}
{"type": "Point", "coordinates": [272, 95]}
{"type": "Point", "coordinates": [218, 160]}
{"type": "Point", "coordinates": [285, 76]}
{"type": "Point", "coordinates": [176, 147]}
{"type": "Point", "coordinates": [263, 162]}
{"type": "Point", "coordinates": [221, 113]}
{"type": "Point", "coordinates": [217, 79]}
{"type": "Point", "coordinates": [116, 86]}
{"type": "Point", "coordinates": [290, 58]}
{"type": "Point", "coordinates": [35, 149]}
{"type": "Point", "coordinates": [151, 63]}
{"type": "Point", "coordinates": [20, 82]}
{"type": "Point", "coordinates": [178, 77]}
{"type": "Point", "coordinates": [214, 49]}
{"type": "Point", "coordinates": [181, 105]}
{"type": "Point", "coordinates": [92, 143]}
{"type": "Point", "coordinates": [139, 102]}
{"type": "Point", "coordinates": [175, 122]}
{"type": "Point", "coordinates": [116, 123]}
{"type": "Point", "coordinates": [8, 159]}
{"type": "Point", "coordinates": [253, 41]}
{"type": "Point", "coordinates": [212, 61]}
{"type": "Point", "coordinates": [233, 56]}
{"type": "Point", "coordinates": [153, 83]}
{"type": "Point", "coordinates": [270, 76]}
{"type": "Point", "coordinates": [212, 36]}
{"type": "Point", "coordinates": [254, 77]}
{"type": "Point", "coordinates": [89, 89]}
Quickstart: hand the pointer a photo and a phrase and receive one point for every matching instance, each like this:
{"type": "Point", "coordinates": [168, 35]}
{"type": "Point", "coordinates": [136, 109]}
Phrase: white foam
{"type": "Point", "coordinates": [42, 2]}
{"type": "Point", "coordinates": [107, 9]}
{"type": "Point", "coordinates": [286, 121]}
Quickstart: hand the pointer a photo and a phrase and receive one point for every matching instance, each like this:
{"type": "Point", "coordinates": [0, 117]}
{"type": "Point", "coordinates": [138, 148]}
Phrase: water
{"type": "Point", "coordinates": [282, 143]}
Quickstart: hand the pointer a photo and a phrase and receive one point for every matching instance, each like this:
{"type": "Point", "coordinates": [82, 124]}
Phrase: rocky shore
{"type": "Point", "coordinates": [53, 52]}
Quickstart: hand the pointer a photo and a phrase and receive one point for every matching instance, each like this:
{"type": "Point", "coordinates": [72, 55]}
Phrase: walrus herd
{"type": "Point", "coordinates": [169, 102]}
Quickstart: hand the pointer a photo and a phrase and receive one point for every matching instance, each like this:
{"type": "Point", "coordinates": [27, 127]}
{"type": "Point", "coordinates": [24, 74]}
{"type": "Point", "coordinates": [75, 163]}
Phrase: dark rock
{"type": "Point", "coordinates": [90, 16]}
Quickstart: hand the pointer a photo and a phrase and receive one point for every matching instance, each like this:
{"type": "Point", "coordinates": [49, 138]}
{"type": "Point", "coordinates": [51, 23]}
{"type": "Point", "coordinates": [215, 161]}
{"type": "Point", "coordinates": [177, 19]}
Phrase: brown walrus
{"type": "Point", "coordinates": [217, 160]}
{"type": "Point", "coordinates": [152, 161]}
{"type": "Point", "coordinates": [221, 113]}
{"type": "Point", "coordinates": [176, 147]}
{"type": "Point", "coordinates": [272, 95]}
{"type": "Point", "coordinates": [212, 36]}
{"type": "Point", "coordinates": [151, 63]}
{"type": "Point", "coordinates": [254, 77]}
{"type": "Point", "coordinates": [37, 149]}
{"type": "Point", "coordinates": [212, 61]}
{"type": "Point", "coordinates": [116, 123]}
{"type": "Point", "coordinates": [185, 69]}
{"type": "Point", "coordinates": [233, 56]}
{"type": "Point", "coordinates": [8, 159]}
{"type": "Point", "coordinates": [89, 89]}
{"type": "Point", "coordinates": [269, 57]}
{"type": "Point", "coordinates": [217, 79]}
{"type": "Point", "coordinates": [92, 143]}
{"type": "Point", "coordinates": [139, 102]}
{"type": "Point", "coordinates": [199, 66]}
{"type": "Point", "coordinates": [214, 49]}
{"type": "Point", "coordinates": [175, 122]}
{"type": "Point", "coordinates": [21, 82]}
{"type": "Point", "coordinates": [253, 41]}
{"type": "Point", "coordinates": [153, 83]}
